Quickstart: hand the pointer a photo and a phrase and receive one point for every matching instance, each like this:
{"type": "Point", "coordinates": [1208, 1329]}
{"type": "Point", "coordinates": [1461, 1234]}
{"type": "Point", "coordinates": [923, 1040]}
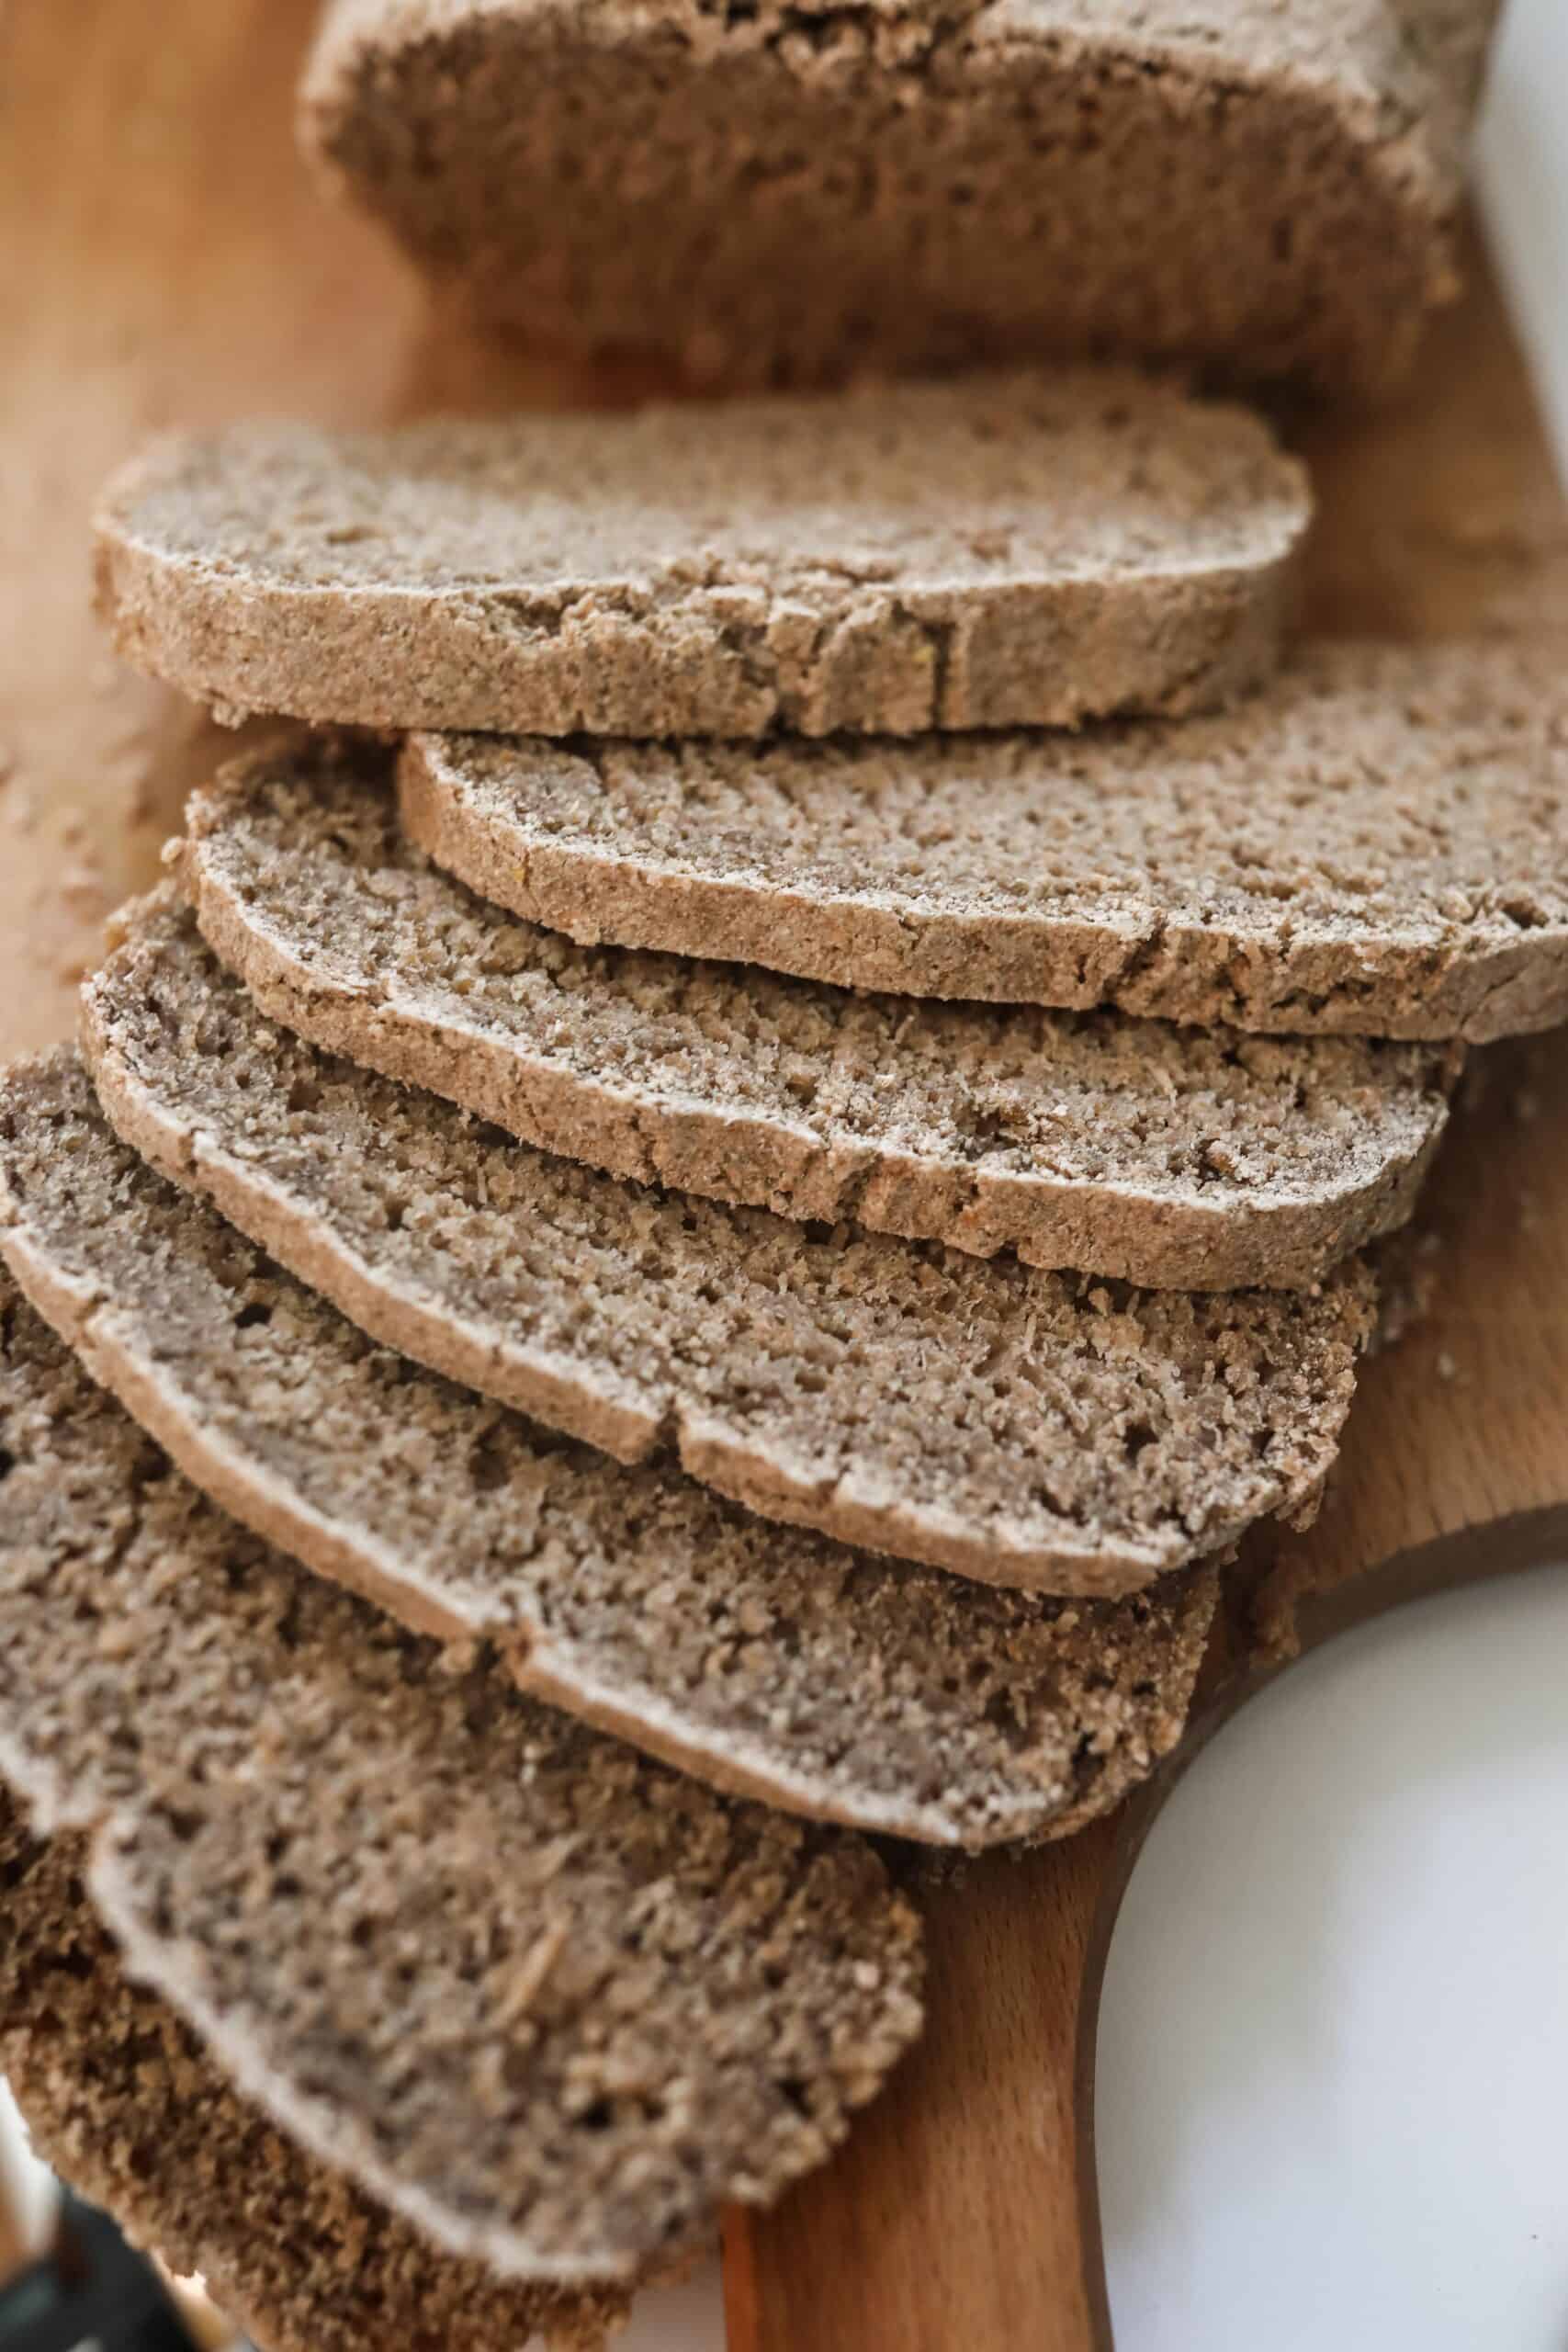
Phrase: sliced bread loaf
{"type": "Point", "coordinates": [1020, 1425]}
{"type": "Point", "coordinates": [121, 2098]}
{"type": "Point", "coordinates": [773, 1663]}
{"type": "Point", "coordinates": [1184, 1158]}
{"type": "Point", "coordinates": [1263, 184]}
{"type": "Point", "coordinates": [545, 1998]}
{"type": "Point", "coordinates": [1378, 845]}
{"type": "Point", "coordinates": [1006, 550]}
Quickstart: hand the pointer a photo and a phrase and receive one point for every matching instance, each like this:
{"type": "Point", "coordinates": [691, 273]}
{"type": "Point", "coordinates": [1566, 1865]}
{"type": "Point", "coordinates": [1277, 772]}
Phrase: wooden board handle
{"type": "Point", "coordinates": [850, 2260]}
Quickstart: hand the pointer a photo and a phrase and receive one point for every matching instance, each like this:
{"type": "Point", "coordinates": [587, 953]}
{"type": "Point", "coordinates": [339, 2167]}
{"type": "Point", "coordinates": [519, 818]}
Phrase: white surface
{"type": "Point", "coordinates": [1522, 168]}
{"type": "Point", "coordinates": [1334, 2049]}
{"type": "Point", "coordinates": [1333, 2046]}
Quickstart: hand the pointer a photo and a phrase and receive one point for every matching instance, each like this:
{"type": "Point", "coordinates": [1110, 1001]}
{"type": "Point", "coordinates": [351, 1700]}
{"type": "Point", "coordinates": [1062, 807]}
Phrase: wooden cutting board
{"type": "Point", "coordinates": [164, 258]}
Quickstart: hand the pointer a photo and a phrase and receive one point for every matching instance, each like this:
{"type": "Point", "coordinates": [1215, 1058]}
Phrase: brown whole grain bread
{"type": "Point", "coordinates": [1023, 1426]}
{"type": "Point", "coordinates": [773, 1664]}
{"type": "Point", "coordinates": [1377, 845]}
{"type": "Point", "coordinates": [121, 2097]}
{"type": "Point", "coordinates": [802, 189]}
{"type": "Point", "coordinates": [1006, 550]}
{"type": "Point", "coordinates": [543, 1997]}
{"type": "Point", "coordinates": [1181, 1158]}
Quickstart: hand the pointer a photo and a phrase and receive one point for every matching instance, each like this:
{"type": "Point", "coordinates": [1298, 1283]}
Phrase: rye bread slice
{"type": "Point", "coordinates": [773, 1664]}
{"type": "Point", "coordinates": [1181, 1158]}
{"type": "Point", "coordinates": [1263, 185]}
{"type": "Point", "coordinates": [1022, 1427]}
{"type": "Point", "coordinates": [544, 1997]}
{"type": "Point", "coordinates": [1006, 550]}
{"type": "Point", "coordinates": [121, 2097]}
{"type": "Point", "coordinates": [1378, 845]}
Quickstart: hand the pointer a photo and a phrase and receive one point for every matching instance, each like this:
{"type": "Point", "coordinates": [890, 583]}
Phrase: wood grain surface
{"type": "Point", "coordinates": [163, 258]}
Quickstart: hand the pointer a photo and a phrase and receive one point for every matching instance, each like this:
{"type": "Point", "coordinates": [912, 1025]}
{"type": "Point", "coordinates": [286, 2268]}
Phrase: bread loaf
{"type": "Point", "coordinates": [1262, 186]}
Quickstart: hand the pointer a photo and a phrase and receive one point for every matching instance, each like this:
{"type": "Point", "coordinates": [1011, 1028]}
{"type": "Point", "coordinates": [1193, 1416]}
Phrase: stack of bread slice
{"type": "Point", "coordinates": [719, 1184]}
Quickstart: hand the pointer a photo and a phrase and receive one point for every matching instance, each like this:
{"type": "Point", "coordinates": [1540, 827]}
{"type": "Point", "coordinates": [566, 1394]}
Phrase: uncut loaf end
{"type": "Point", "coordinates": [1258, 187]}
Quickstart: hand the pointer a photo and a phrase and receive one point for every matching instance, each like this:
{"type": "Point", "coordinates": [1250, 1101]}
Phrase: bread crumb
{"type": "Point", "coordinates": [83, 892]}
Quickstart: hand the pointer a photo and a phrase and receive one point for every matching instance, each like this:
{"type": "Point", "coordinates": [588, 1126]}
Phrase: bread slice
{"type": "Point", "coordinates": [772, 1664]}
{"type": "Point", "coordinates": [1178, 1158]}
{"type": "Point", "coordinates": [1023, 1426]}
{"type": "Point", "coordinates": [1260, 183]}
{"type": "Point", "coordinates": [1005, 549]}
{"type": "Point", "coordinates": [1378, 846]}
{"type": "Point", "coordinates": [122, 2099]}
{"type": "Point", "coordinates": [545, 1998]}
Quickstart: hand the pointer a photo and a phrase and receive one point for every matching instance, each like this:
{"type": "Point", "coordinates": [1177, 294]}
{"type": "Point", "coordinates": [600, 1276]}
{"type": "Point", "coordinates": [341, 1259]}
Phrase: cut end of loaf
{"type": "Point", "coordinates": [120, 2097]}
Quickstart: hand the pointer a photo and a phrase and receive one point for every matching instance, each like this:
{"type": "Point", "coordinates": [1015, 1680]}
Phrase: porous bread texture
{"type": "Point", "coordinates": [546, 1999]}
{"type": "Point", "coordinates": [1181, 1158]}
{"type": "Point", "coordinates": [804, 189]}
{"type": "Point", "coordinates": [121, 2097]}
{"type": "Point", "coordinates": [1378, 845]}
{"type": "Point", "coordinates": [772, 1663]}
{"type": "Point", "coordinates": [1023, 1426]}
{"type": "Point", "coordinates": [1005, 549]}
